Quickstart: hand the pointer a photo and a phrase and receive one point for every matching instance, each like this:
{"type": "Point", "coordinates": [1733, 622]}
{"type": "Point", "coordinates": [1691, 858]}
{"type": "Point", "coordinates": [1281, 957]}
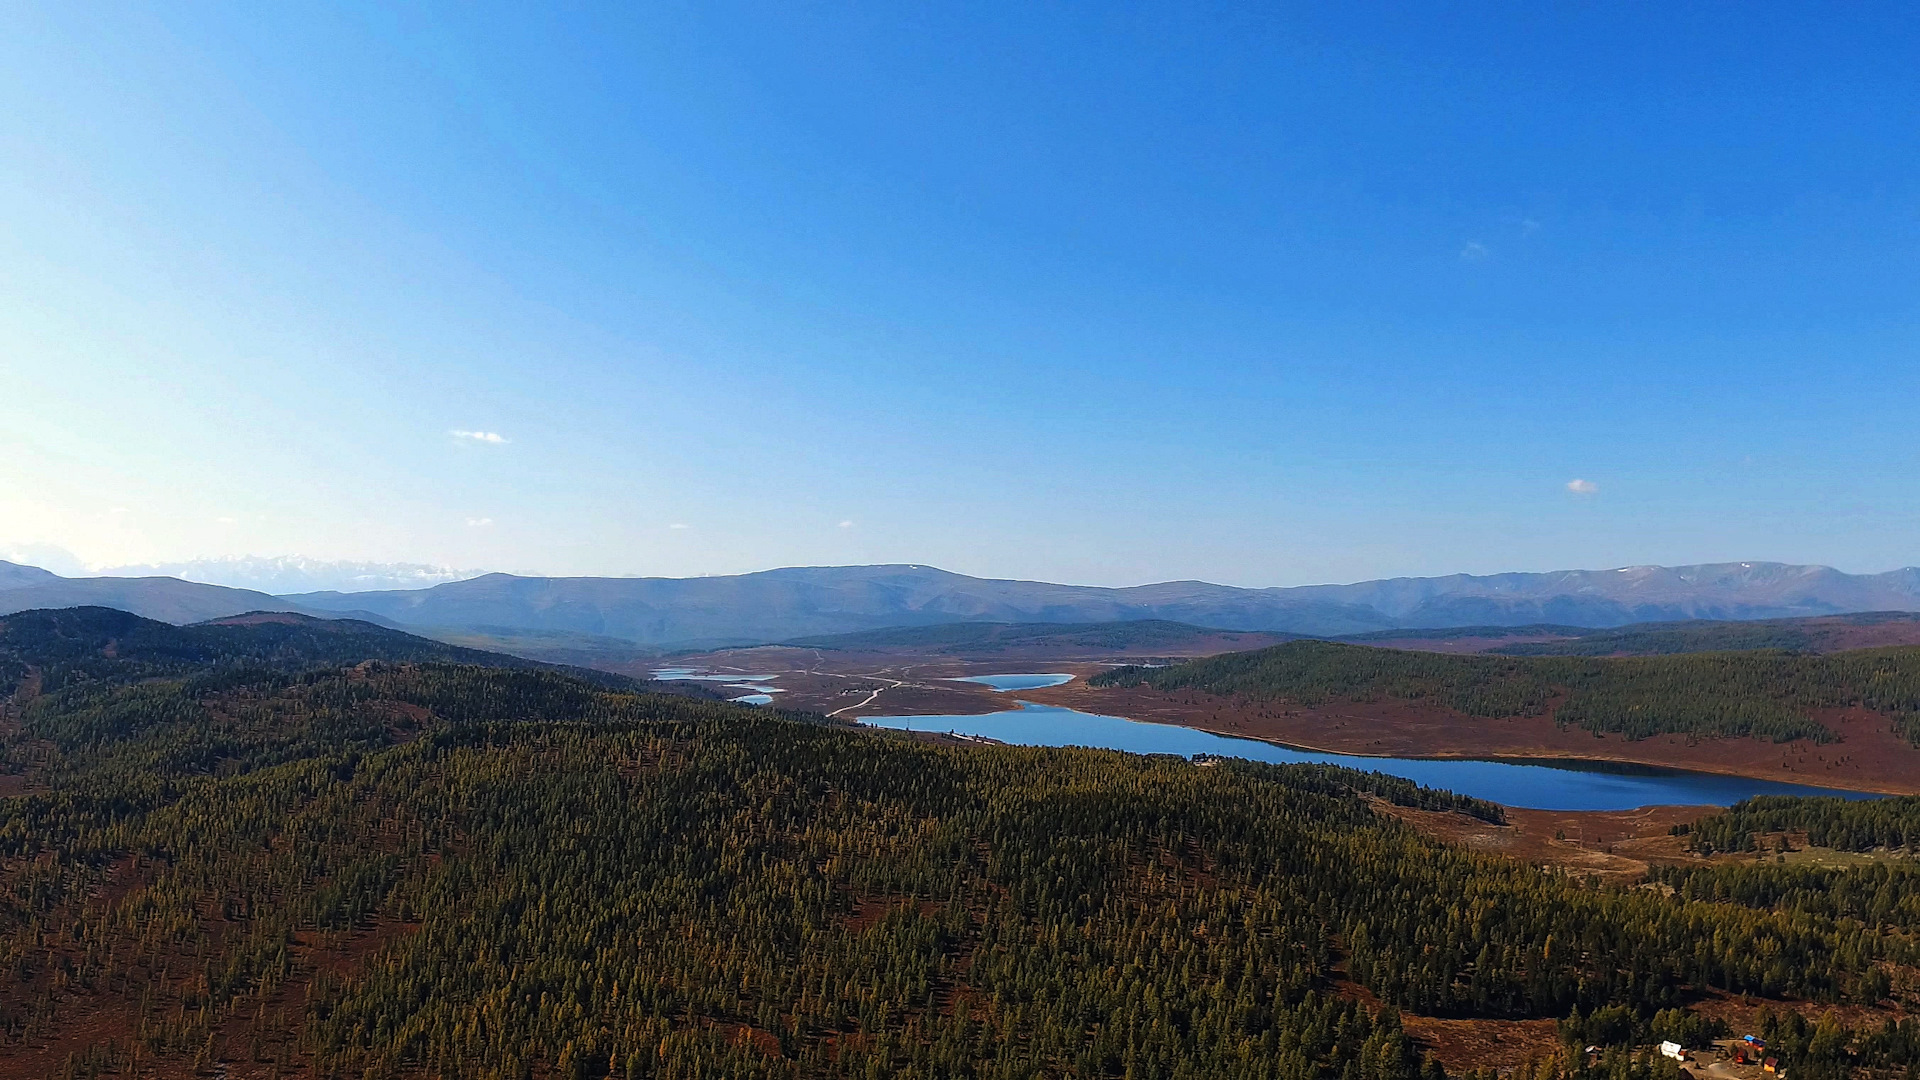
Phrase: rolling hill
{"type": "Point", "coordinates": [1762, 693]}
{"type": "Point", "coordinates": [25, 588]}
{"type": "Point", "coordinates": [92, 643]}
{"type": "Point", "coordinates": [219, 867]}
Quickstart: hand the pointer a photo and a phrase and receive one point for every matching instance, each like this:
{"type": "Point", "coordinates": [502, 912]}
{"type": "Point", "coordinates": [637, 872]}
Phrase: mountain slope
{"type": "Point", "coordinates": [163, 598]}
{"type": "Point", "coordinates": [15, 576]}
{"type": "Point", "coordinates": [779, 605]}
{"type": "Point", "coordinates": [93, 644]}
{"type": "Point", "coordinates": [1748, 590]}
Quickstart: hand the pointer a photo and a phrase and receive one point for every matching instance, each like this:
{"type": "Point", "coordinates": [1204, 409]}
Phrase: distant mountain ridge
{"type": "Point", "coordinates": [89, 643]}
{"type": "Point", "coordinates": [166, 599]}
{"type": "Point", "coordinates": [796, 602]}
{"type": "Point", "coordinates": [778, 605]}
{"type": "Point", "coordinates": [1596, 598]}
{"type": "Point", "coordinates": [16, 576]}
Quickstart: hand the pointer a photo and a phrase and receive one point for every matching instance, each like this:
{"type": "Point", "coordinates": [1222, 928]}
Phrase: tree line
{"type": "Point", "coordinates": [1761, 693]}
{"type": "Point", "coordinates": [1827, 821]}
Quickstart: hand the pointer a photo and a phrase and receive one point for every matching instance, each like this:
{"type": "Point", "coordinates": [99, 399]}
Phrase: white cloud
{"type": "Point", "coordinates": [479, 436]}
{"type": "Point", "coordinates": [47, 557]}
{"type": "Point", "coordinates": [846, 524]}
{"type": "Point", "coordinates": [679, 525]}
{"type": "Point", "coordinates": [479, 523]}
{"type": "Point", "coordinates": [283, 574]}
{"type": "Point", "coordinates": [226, 520]}
{"type": "Point", "coordinates": [1474, 251]}
{"type": "Point", "coordinates": [1582, 487]}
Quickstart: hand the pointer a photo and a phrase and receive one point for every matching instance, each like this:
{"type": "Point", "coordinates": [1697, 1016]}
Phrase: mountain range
{"type": "Point", "coordinates": [778, 605]}
{"type": "Point", "coordinates": [168, 599]}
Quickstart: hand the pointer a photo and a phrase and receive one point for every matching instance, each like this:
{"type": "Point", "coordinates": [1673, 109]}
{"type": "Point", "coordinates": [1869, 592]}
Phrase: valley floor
{"type": "Point", "coordinates": [1869, 757]}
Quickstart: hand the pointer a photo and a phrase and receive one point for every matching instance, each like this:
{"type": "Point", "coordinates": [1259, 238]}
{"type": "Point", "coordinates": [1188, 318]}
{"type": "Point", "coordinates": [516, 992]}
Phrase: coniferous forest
{"type": "Point", "coordinates": [1762, 693]}
{"type": "Point", "coordinates": [1843, 824]}
{"type": "Point", "coordinates": [294, 852]}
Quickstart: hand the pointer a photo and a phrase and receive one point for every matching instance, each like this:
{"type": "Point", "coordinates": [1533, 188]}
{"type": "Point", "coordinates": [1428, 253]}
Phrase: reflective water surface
{"type": "Point", "coordinates": [1560, 785]}
{"type": "Point", "coordinates": [1004, 683]}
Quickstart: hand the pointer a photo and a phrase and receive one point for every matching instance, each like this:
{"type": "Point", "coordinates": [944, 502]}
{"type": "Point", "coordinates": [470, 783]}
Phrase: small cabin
{"type": "Point", "coordinates": [1674, 1050]}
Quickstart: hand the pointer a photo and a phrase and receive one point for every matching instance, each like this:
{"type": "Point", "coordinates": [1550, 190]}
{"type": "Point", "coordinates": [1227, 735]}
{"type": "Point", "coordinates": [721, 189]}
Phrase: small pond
{"type": "Point", "coordinates": [1003, 683]}
{"type": "Point", "coordinates": [758, 693]}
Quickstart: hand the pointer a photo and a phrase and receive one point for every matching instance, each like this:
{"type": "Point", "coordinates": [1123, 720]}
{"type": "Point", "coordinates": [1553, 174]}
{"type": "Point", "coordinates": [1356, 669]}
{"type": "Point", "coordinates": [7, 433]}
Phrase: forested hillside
{"type": "Point", "coordinates": [67, 646]}
{"type": "Point", "coordinates": [368, 867]}
{"type": "Point", "coordinates": [1828, 633]}
{"type": "Point", "coordinates": [1764, 694]}
{"type": "Point", "coordinates": [1670, 638]}
{"type": "Point", "coordinates": [1842, 824]}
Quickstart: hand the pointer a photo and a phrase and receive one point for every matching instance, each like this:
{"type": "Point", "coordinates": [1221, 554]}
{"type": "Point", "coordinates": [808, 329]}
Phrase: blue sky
{"type": "Point", "coordinates": [1092, 293]}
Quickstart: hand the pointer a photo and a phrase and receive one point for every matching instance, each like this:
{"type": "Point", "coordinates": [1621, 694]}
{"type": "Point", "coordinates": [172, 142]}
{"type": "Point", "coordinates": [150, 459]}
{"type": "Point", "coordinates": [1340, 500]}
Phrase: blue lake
{"type": "Point", "coordinates": [1558, 786]}
{"type": "Point", "coordinates": [1004, 683]}
{"type": "Point", "coordinates": [759, 694]}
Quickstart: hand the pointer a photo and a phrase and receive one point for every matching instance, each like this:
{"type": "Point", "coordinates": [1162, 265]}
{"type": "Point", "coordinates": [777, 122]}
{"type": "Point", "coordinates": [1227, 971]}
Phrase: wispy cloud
{"type": "Point", "coordinates": [1582, 487]}
{"type": "Point", "coordinates": [479, 523]}
{"type": "Point", "coordinates": [846, 524]}
{"type": "Point", "coordinates": [679, 525]}
{"type": "Point", "coordinates": [282, 574]}
{"type": "Point", "coordinates": [226, 520]}
{"type": "Point", "coordinates": [1474, 251]}
{"type": "Point", "coordinates": [479, 436]}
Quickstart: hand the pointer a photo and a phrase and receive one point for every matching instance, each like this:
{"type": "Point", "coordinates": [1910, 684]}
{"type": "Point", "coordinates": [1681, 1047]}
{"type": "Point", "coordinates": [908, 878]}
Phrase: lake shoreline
{"type": "Point", "coordinates": [1538, 783]}
{"type": "Point", "coordinates": [1869, 757]}
{"type": "Point", "coordinates": [1542, 760]}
